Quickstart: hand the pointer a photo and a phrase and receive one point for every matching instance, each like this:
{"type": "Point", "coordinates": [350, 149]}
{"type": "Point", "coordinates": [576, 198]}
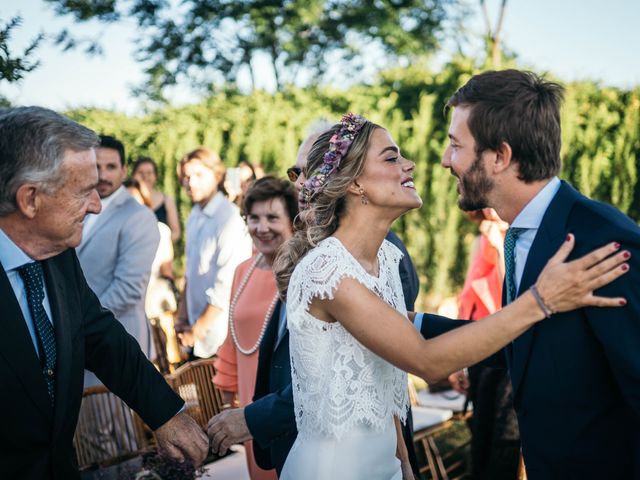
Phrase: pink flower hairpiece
{"type": "Point", "coordinates": [350, 126]}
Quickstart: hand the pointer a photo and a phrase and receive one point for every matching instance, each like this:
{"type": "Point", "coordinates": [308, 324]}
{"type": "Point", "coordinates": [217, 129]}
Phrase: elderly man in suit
{"type": "Point", "coordinates": [576, 380]}
{"type": "Point", "coordinates": [53, 324]}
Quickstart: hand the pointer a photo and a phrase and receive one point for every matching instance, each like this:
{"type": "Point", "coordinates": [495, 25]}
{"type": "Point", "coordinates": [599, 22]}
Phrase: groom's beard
{"type": "Point", "coordinates": [475, 186]}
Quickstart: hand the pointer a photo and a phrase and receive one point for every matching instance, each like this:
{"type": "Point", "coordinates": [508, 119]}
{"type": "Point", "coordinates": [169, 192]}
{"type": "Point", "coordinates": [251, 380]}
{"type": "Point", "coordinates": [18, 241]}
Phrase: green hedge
{"type": "Point", "coordinates": [601, 138]}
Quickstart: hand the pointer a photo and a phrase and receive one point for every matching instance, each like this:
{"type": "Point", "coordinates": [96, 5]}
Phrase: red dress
{"type": "Point", "coordinates": [482, 291]}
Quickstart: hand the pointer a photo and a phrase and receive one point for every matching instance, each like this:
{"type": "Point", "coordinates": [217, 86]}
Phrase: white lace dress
{"type": "Point", "coordinates": [345, 395]}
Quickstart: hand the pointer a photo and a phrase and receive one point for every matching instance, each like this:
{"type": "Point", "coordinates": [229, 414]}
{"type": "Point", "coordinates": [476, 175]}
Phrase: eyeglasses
{"type": "Point", "coordinates": [293, 173]}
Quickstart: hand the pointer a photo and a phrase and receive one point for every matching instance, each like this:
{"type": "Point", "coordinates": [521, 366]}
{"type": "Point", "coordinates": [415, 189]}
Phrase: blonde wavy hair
{"type": "Point", "coordinates": [322, 216]}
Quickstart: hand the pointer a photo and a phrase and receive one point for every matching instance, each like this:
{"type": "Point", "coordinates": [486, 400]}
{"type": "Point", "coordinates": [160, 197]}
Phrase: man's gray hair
{"type": "Point", "coordinates": [33, 141]}
{"type": "Point", "coordinates": [315, 129]}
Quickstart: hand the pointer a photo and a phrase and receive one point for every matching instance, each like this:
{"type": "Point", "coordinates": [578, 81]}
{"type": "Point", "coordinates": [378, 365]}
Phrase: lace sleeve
{"type": "Point", "coordinates": [318, 275]}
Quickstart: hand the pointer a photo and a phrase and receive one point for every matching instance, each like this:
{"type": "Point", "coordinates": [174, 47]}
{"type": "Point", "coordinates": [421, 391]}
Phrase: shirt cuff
{"type": "Point", "coordinates": [417, 321]}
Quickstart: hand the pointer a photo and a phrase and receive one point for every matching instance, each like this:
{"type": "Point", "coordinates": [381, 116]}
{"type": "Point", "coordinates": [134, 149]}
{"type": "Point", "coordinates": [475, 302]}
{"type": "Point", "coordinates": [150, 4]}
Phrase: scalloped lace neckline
{"type": "Point", "coordinates": [355, 260]}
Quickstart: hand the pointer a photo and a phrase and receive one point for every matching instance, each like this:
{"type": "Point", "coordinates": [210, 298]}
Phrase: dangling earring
{"type": "Point", "coordinates": [363, 197]}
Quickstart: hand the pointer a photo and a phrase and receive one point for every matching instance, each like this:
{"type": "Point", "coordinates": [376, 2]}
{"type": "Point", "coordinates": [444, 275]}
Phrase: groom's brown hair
{"type": "Point", "coordinates": [519, 108]}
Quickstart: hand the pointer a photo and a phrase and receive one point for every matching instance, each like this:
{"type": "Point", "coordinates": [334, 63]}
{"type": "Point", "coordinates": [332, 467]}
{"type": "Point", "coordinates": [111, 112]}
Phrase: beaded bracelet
{"type": "Point", "coordinates": [536, 294]}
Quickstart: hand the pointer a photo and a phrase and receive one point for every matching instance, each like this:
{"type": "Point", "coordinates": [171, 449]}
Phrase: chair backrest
{"type": "Point", "coordinates": [108, 431]}
{"type": "Point", "coordinates": [193, 381]}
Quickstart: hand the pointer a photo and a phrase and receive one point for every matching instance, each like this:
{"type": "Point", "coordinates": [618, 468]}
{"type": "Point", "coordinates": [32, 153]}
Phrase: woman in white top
{"type": "Point", "coordinates": [346, 317]}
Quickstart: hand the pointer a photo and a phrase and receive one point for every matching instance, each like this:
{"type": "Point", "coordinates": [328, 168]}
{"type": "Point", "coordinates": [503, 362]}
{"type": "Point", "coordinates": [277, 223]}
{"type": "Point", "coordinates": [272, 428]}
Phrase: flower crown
{"type": "Point", "coordinates": [339, 144]}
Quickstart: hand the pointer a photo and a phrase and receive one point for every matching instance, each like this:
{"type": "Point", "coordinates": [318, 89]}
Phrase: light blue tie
{"type": "Point", "coordinates": [33, 279]}
{"type": "Point", "coordinates": [510, 262]}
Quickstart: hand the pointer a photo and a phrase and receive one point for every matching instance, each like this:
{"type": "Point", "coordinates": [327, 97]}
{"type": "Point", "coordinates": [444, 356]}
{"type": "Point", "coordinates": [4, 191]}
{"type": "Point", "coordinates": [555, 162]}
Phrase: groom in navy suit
{"type": "Point", "coordinates": [576, 380]}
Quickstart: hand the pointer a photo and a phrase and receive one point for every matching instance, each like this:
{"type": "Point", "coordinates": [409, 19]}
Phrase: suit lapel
{"type": "Point", "coordinates": [551, 234]}
{"type": "Point", "coordinates": [266, 352]}
{"type": "Point", "coordinates": [279, 339]}
{"type": "Point", "coordinates": [56, 290]}
{"type": "Point", "coordinates": [16, 347]}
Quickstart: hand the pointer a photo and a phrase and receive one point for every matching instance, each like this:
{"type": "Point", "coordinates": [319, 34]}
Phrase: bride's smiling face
{"type": "Point", "coordinates": [387, 179]}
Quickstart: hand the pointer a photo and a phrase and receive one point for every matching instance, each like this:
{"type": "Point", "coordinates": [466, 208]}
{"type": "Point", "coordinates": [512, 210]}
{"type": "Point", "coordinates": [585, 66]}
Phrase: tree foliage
{"type": "Point", "coordinates": [13, 68]}
{"type": "Point", "coordinates": [209, 41]}
{"type": "Point", "coordinates": [601, 147]}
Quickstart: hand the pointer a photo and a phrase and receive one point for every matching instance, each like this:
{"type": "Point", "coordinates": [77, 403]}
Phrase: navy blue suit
{"type": "Point", "coordinates": [271, 418]}
{"type": "Point", "coordinates": [576, 377]}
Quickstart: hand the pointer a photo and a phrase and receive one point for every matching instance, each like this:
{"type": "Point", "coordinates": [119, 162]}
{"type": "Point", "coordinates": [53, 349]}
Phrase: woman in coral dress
{"type": "Point", "coordinates": [270, 206]}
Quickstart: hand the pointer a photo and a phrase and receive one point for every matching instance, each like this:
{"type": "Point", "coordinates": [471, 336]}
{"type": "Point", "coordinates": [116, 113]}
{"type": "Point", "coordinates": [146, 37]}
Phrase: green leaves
{"type": "Point", "coordinates": [13, 68]}
{"type": "Point", "coordinates": [304, 42]}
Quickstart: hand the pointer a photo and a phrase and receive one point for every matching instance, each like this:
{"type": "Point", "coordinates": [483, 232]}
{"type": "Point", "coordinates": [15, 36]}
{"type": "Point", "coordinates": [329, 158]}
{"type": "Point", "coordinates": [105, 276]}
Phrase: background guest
{"type": "Point", "coordinates": [160, 302]}
{"type": "Point", "coordinates": [217, 241]}
{"type": "Point", "coordinates": [145, 171]}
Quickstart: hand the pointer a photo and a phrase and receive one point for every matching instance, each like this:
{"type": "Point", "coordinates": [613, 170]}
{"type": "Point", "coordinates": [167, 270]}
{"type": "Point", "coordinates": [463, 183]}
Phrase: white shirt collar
{"type": "Point", "coordinates": [109, 200]}
{"type": "Point", "coordinates": [531, 215]}
{"type": "Point", "coordinates": [210, 208]}
{"type": "Point", "coordinates": [11, 255]}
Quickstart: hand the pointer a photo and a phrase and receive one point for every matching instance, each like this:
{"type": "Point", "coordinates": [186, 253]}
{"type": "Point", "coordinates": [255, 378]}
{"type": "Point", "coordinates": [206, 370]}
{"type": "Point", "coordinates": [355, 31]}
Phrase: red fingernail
{"type": "Point", "coordinates": [625, 267]}
{"type": "Point", "coordinates": [623, 302]}
{"type": "Point", "coordinates": [568, 237]}
{"type": "Point", "coordinates": [616, 245]}
{"type": "Point", "coordinates": [626, 254]}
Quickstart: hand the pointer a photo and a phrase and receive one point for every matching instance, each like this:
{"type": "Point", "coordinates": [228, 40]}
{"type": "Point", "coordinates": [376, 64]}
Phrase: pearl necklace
{"type": "Point", "coordinates": [232, 308]}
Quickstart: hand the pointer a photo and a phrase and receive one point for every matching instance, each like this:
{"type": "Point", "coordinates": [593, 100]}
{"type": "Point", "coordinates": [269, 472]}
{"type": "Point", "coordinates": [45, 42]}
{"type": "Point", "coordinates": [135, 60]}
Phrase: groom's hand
{"type": "Point", "coordinates": [227, 428]}
{"type": "Point", "coordinates": [182, 438]}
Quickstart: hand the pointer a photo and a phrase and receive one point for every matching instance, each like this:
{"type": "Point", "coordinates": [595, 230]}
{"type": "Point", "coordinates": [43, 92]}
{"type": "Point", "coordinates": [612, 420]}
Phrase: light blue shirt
{"type": "Point", "coordinates": [12, 257]}
{"type": "Point", "coordinates": [530, 217]}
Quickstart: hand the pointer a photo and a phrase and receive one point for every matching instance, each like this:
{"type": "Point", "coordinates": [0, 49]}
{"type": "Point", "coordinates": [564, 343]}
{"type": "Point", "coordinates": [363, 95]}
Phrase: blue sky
{"type": "Point", "coordinates": [586, 39]}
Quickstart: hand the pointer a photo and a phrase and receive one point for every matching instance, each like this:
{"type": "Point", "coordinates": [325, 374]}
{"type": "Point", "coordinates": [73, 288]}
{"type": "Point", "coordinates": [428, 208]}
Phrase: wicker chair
{"type": "Point", "coordinates": [193, 382]}
{"type": "Point", "coordinates": [108, 431]}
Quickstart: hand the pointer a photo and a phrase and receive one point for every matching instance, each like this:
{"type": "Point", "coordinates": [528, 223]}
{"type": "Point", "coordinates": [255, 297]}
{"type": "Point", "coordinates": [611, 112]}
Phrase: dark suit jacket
{"type": "Point", "coordinates": [576, 377]}
{"type": "Point", "coordinates": [271, 418]}
{"type": "Point", "coordinates": [36, 439]}
{"type": "Point", "coordinates": [408, 274]}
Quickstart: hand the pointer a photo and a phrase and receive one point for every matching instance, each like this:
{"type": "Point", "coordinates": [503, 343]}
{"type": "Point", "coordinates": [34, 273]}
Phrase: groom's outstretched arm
{"type": "Point", "coordinates": [431, 326]}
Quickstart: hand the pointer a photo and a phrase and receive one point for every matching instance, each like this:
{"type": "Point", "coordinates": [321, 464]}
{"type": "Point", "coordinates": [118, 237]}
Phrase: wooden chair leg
{"type": "Point", "coordinates": [431, 460]}
{"type": "Point", "coordinates": [441, 468]}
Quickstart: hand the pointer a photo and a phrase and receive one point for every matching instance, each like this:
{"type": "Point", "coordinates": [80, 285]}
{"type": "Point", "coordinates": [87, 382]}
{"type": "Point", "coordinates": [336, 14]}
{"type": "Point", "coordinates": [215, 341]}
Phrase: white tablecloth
{"type": "Point", "coordinates": [231, 467]}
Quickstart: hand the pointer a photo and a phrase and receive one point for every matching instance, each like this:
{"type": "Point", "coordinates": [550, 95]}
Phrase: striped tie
{"type": "Point", "coordinates": [33, 279]}
{"type": "Point", "coordinates": [510, 261]}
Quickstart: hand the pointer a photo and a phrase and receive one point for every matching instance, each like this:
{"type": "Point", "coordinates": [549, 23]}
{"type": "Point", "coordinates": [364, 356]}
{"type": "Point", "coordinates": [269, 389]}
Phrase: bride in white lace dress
{"type": "Point", "coordinates": [346, 317]}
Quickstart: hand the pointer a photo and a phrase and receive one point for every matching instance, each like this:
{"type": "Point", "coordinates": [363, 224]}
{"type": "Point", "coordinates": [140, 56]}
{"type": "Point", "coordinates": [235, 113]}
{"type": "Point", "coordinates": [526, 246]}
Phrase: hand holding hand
{"type": "Point", "coordinates": [566, 286]}
{"type": "Point", "coordinates": [181, 438]}
{"type": "Point", "coordinates": [227, 428]}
